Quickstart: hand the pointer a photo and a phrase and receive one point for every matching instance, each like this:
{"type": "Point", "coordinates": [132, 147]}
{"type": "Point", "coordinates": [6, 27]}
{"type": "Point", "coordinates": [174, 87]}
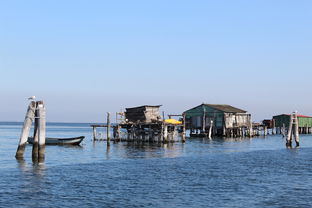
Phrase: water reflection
{"type": "Point", "coordinates": [149, 150]}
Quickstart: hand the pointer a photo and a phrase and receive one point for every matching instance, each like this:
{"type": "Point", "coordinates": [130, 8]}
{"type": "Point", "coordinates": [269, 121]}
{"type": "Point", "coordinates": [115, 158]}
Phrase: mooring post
{"type": "Point", "coordinates": [273, 126]}
{"type": "Point", "coordinates": [265, 132]}
{"type": "Point", "coordinates": [166, 133]}
{"type": "Point", "coordinates": [25, 131]}
{"type": "Point", "coordinates": [289, 135]}
{"type": "Point", "coordinates": [108, 128]}
{"type": "Point", "coordinates": [204, 122]}
{"type": "Point", "coordinates": [118, 132]}
{"type": "Point", "coordinates": [94, 133]}
{"type": "Point", "coordinates": [210, 129]}
{"type": "Point", "coordinates": [250, 128]}
{"type": "Point", "coordinates": [35, 149]}
{"type": "Point", "coordinates": [41, 130]}
{"type": "Point", "coordinates": [296, 126]}
{"type": "Point", "coordinates": [183, 128]}
{"type": "Point", "coordinates": [283, 130]}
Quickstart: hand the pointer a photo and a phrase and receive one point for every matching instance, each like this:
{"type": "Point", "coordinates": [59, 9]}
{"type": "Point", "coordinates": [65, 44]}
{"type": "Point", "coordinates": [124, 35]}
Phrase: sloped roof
{"type": "Point", "coordinates": [302, 116]}
{"type": "Point", "coordinates": [154, 106]}
{"type": "Point", "coordinates": [226, 108]}
{"type": "Point", "coordinates": [221, 107]}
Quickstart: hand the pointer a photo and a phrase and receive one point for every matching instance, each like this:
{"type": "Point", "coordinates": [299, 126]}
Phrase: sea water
{"type": "Point", "coordinates": [257, 172]}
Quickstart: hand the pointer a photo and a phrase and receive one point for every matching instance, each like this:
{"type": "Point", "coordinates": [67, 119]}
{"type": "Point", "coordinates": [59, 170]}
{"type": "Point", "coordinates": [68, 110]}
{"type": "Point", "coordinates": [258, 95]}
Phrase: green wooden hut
{"type": "Point", "coordinates": [222, 118]}
{"type": "Point", "coordinates": [283, 119]}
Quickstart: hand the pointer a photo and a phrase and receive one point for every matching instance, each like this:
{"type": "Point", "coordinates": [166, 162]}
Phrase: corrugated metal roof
{"type": "Point", "coordinates": [226, 108]}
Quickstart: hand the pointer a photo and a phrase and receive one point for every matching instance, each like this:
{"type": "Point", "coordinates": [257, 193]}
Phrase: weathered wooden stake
{"type": "Point", "coordinates": [165, 133]}
{"type": "Point", "coordinates": [108, 129]}
{"type": "Point", "coordinates": [283, 130]}
{"type": "Point", "coordinates": [250, 128]}
{"type": "Point", "coordinates": [183, 128]}
{"type": "Point", "coordinates": [265, 132]}
{"type": "Point", "coordinates": [35, 149]}
{"type": "Point", "coordinates": [118, 133]}
{"type": "Point", "coordinates": [204, 123]}
{"type": "Point", "coordinates": [290, 131]}
{"type": "Point", "coordinates": [94, 133]}
{"type": "Point", "coordinates": [210, 129]}
{"type": "Point", "coordinates": [25, 131]}
{"type": "Point", "coordinates": [41, 130]}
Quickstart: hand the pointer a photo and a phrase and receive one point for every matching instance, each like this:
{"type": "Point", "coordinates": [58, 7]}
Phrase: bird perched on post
{"type": "Point", "coordinates": [32, 98]}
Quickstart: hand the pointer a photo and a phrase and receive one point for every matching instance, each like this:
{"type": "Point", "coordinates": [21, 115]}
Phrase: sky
{"type": "Point", "coordinates": [86, 58]}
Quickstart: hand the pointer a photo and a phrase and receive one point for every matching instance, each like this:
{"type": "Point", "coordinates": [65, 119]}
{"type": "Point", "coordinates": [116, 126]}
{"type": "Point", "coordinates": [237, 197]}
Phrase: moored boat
{"type": "Point", "coordinates": [60, 141]}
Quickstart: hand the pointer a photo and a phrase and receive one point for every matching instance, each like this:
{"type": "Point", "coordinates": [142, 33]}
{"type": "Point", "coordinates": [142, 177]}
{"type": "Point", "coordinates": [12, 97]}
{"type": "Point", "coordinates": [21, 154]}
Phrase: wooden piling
{"type": "Point", "coordinates": [94, 133]}
{"type": "Point", "coordinates": [183, 128]}
{"type": "Point", "coordinates": [118, 133]}
{"type": "Point", "coordinates": [289, 135]}
{"type": "Point", "coordinates": [25, 131]}
{"type": "Point", "coordinates": [35, 149]}
{"type": "Point", "coordinates": [284, 130]}
{"type": "Point", "coordinates": [210, 129]}
{"type": "Point", "coordinates": [165, 133]}
{"type": "Point", "coordinates": [204, 122]}
{"type": "Point", "coordinates": [296, 126]}
{"type": "Point", "coordinates": [108, 128]}
{"type": "Point", "coordinates": [265, 132]}
{"type": "Point", "coordinates": [41, 131]}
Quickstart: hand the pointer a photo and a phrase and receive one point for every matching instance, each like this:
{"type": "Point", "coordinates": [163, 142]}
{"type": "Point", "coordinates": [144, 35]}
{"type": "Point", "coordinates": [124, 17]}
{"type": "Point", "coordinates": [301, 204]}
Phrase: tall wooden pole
{"type": "Point", "coordinates": [183, 128]}
{"type": "Point", "coordinates": [25, 131]}
{"type": "Point", "coordinates": [204, 122]}
{"type": "Point", "coordinates": [35, 149]}
{"type": "Point", "coordinates": [210, 129]}
{"type": "Point", "coordinates": [296, 126]}
{"type": "Point", "coordinates": [250, 127]}
{"type": "Point", "coordinates": [289, 135]}
{"type": "Point", "coordinates": [41, 130]}
{"type": "Point", "coordinates": [108, 129]}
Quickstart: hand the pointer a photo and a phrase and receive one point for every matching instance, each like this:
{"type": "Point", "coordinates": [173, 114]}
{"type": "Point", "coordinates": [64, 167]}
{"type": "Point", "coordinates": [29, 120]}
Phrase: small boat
{"type": "Point", "coordinates": [60, 141]}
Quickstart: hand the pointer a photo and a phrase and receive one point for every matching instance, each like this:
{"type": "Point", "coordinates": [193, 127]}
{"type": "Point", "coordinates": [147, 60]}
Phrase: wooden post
{"type": "Point", "coordinates": [41, 131]}
{"type": "Point", "coordinates": [250, 128]}
{"type": "Point", "coordinates": [118, 133]}
{"type": "Point", "coordinates": [35, 149]}
{"type": "Point", "coordinates": [183, 128]}
{"type": "Point", "coordinates": [108, 129]}
{"type": "Point", "coordinates": [289, 135]}
{"type": "Point", "coordinates": [265, 132]}
{"type": "Point", "coordinates": [204, 122]}
{"type": "Point", "coordinates": [25, 131]}
{"type": "Point", "coordinates": [210, 129]}
{"type": "Point", "coordinates": [283, 130]}
{"type": "Point", "coordinates": [296, 126]}
{"type": "Point", "coordinates": [273, 126]}
{"type": "Point", "coordinates": [166, 133]}
{"type": "Point", "coordinates": [94, 133]}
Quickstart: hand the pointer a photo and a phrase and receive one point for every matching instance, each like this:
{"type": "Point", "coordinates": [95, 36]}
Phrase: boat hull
{"type": "Point", "coordinates": [60, 141]}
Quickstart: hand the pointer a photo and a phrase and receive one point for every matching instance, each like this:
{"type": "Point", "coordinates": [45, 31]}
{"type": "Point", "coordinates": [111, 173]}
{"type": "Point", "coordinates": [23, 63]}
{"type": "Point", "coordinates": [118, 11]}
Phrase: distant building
{"type": "Point", "coordinates": [143, 114]}
{"type": "Point", "coordinates": [283, 119]}
{"type": "Point", "coordinates": [224, 118]}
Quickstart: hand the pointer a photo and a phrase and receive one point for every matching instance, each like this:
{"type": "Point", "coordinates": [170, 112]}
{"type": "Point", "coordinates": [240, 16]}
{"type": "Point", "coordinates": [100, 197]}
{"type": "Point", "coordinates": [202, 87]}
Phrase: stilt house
{"type": "Point", "coordinates": [304, 122]}
{"type": "Point", "coordinates": [143, 114]}
{"type": "Point", "coordinates": [223, 119]}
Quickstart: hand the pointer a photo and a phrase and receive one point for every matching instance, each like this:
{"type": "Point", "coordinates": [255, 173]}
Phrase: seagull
{"type": "Point", "coordinates": [32, 98]}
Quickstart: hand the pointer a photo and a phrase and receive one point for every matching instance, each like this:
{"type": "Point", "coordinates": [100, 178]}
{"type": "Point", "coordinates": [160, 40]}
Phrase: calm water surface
{"type": "Point", "coordinates": [257, 172]}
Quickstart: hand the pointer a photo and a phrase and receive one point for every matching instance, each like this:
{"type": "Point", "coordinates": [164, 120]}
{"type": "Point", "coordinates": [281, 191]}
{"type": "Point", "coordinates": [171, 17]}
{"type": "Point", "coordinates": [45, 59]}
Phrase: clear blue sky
{"type": "Point", "coordinates": [85, 58]}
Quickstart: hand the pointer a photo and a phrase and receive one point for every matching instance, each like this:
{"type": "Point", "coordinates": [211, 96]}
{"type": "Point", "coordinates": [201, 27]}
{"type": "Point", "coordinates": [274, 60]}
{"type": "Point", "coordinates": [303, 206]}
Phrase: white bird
{"type": "Point", "coordinates": [32, 98]}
